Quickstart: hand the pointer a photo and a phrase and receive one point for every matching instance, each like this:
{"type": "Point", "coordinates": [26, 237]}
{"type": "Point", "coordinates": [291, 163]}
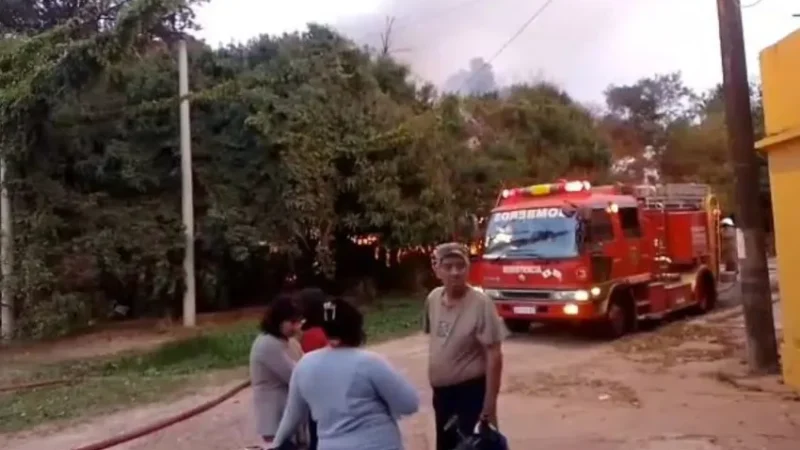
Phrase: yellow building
{"type": "Point", "coordinates": [780, 77]}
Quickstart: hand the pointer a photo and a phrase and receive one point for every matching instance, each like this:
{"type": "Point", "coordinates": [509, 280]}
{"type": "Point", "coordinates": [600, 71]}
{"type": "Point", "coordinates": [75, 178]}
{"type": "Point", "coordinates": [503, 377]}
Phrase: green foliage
{"type": "Point", "coordinates": [300, 142]}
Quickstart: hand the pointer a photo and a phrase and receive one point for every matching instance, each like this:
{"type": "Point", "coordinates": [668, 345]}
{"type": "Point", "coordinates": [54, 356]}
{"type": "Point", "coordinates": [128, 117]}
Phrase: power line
{"type": "Point", "coordinates": [511, 40]}
{"type": "Point", "coordinates": [755, 3]}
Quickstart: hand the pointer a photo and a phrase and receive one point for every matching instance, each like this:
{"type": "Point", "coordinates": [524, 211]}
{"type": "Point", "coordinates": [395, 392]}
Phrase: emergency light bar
{"type": "Point", "coordinates": [538, 190]}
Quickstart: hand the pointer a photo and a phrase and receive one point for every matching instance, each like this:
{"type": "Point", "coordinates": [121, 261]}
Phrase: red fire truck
{"type": "Point", "coordinates": [608, 255]}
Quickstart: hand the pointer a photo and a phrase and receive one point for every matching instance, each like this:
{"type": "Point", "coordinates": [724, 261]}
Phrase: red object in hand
{"type": "Point", "coordinates": [313, 339]}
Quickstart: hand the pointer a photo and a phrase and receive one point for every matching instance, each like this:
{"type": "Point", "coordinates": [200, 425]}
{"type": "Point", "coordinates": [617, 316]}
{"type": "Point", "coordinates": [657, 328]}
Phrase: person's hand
{"type": "Point", "coordinates": [489, 414]}
{"type": "Point", "coordinates": [269, 445]}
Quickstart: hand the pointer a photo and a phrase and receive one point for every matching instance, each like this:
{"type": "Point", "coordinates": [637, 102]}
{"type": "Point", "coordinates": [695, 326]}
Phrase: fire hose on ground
{"type": "Point", "coordinates": [143, 431]}
{"type": "Point", "coordinates": [164, 423]}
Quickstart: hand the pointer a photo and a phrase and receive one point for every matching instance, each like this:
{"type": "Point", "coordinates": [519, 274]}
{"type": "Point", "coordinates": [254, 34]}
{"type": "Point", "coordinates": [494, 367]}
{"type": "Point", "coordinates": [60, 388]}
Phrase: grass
{"type": "Point", "coordinates": [125, 380]}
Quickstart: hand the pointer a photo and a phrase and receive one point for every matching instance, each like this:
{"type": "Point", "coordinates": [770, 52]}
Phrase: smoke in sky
{"type": "Point", "coordinates": [583, 45]}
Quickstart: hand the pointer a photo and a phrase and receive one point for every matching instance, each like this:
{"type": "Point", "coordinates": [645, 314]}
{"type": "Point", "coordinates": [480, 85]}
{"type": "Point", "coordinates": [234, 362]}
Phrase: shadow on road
{"type": "Point", "coordinates": [559, 335]}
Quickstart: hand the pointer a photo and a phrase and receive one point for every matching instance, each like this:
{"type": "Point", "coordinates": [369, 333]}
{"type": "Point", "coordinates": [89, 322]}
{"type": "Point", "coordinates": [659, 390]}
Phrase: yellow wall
{"type": "Point", "coordinates": [780, 75]}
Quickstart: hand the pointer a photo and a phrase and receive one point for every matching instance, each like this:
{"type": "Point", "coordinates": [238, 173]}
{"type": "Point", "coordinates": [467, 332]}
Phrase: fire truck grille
{"type": "Point", "coordinates": [524, 295]}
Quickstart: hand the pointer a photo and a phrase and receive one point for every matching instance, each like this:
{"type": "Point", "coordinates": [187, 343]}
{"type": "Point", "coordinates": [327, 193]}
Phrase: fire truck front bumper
{"type": "Point", "coordinates": [549, 311]}
{"type": "Point", "coordinates": [548, 305]}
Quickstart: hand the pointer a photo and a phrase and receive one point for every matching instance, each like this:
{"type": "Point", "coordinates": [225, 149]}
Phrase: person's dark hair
{"type": "Point", "coordinates": [281, 309]}
{"type": "Point", "coordinates": [311, 300]}
{"type": "Point", "coordinates": [344, 322]}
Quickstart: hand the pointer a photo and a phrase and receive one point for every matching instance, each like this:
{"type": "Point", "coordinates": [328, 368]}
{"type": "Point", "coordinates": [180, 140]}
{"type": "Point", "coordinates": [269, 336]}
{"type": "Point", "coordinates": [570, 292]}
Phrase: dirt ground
{"type": "Point", "coordinates": [675, 388]}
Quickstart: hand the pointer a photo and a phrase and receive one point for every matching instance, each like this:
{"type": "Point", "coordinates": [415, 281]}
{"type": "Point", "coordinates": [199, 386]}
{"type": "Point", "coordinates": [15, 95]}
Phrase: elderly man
{"type": "Point", "coordinates": [465, 353]}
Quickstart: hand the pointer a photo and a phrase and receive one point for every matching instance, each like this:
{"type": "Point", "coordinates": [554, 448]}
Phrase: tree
{"type": "Point", "coordinates": [304, 145]}
{"type": "Point", "coordinates": [659, 126]}
{"type": "Point", "coordinates": [25, 17]}
{"type": "Point", "coordinates": [41, 75]}
{"type": "Point", "coordinates": [640, 118]}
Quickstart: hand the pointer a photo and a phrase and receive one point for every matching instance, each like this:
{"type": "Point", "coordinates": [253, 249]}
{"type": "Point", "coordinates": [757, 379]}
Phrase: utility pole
{"type": "Point", "coordinates": [6, 258]}
{"type": "Point", "coordinates": [762, 349]}
{"type": "Point", "coordinates": [187, 200]}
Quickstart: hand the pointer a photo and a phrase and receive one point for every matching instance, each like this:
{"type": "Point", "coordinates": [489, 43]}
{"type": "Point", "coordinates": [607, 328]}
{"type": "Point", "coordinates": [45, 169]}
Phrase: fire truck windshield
{"type": "Point", "coordinates": [541, 233]}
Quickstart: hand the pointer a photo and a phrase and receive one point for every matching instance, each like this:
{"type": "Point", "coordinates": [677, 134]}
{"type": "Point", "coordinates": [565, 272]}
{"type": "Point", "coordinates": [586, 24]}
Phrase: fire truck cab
{"type": "Point", "coordinates": [608, 255]}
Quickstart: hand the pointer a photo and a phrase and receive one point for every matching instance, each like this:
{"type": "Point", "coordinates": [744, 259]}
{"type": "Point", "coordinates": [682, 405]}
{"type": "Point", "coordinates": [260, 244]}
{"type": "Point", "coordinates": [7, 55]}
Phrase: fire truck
{"type": "Point", "coordinates": [611, 256]}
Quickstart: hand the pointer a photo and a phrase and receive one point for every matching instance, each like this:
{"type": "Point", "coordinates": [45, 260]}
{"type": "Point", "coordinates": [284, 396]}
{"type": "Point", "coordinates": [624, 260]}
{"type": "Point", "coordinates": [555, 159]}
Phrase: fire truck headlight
{"type": "Point", "coordinates": [595, 291]}
{"type": "Point", "coordinates": [492, 293]}
{"type": "Point", "coordinates": [581, 296]}
{"type": "Point", "coordinates": [577, 296]}
{"type": "Point", "coordinates": [571, 309]}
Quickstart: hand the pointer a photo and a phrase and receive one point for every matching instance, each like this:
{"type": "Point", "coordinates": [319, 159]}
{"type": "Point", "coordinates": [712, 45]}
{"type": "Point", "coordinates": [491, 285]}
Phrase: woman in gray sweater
{"type": "Point", "coordinates": [272, 360]}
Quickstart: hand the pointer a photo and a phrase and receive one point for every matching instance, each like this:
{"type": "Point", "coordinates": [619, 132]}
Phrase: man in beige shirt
{"type": "Point", "coordinates": [465, 354]}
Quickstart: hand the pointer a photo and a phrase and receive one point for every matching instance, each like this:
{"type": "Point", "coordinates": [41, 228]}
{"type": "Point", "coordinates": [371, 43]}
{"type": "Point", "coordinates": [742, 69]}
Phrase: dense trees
{"type": "Point", "coordinates": [305, 146]}
{"type": "Point", "coordinates": [314, 159]}
{"type": "Point", "coordinates": [660, 129]}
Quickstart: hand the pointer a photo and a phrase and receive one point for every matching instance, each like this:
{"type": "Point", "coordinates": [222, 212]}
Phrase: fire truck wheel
{"type": "Point", "coordinates": [518, 326]}
{"type": "Point", "coordinates": [620, 319]}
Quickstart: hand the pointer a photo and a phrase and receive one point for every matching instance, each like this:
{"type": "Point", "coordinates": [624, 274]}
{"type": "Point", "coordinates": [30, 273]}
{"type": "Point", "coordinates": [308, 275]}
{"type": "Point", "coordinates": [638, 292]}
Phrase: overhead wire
{"type": "Point", "coordinates": [755, 3]}
{"type": "Point", "coordinates": [510, 40]}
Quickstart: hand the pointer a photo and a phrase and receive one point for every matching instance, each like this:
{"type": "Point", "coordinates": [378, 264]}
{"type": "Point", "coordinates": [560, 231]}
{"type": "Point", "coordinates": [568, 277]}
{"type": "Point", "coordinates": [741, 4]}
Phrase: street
{"type": "Point", "coordinates": [658, 390]}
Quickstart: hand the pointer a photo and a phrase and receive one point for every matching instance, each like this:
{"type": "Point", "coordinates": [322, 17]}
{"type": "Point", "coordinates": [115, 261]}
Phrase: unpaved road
{"type": "Point", "coordinates": [650, 392]}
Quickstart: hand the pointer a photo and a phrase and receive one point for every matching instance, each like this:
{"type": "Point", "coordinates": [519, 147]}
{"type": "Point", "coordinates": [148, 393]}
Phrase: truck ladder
{"type": "Point", "coordinates": [673, 196]}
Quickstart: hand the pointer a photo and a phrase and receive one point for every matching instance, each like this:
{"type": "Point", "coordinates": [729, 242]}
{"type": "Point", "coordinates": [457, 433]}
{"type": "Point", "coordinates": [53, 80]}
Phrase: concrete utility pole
{"type": "Point", "coordinates": [6, 259]}
{"type": "Point", "coordinates": [762, 349]}
{"type": "Point", "coordinates": [187, 201]}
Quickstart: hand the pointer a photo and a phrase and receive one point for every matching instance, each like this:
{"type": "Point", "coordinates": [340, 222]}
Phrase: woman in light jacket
{"type": "Point", "coordinates": [272, 360]}
{"type": "Point", "coordinates": [355, 396]}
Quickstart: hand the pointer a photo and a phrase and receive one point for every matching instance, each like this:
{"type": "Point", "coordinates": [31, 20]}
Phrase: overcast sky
{"type": "Point", "coordinates": [583, 45]}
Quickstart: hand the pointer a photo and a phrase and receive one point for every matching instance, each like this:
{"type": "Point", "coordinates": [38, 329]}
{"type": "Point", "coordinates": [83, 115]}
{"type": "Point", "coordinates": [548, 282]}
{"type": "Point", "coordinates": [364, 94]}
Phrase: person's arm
{"type": "Point", "coordinates": [491, 333]}
{"type": "Point", "coordinates": [426, 317]}
{"type": "Point", "coordinates": [435, 294]}
{"type": "Point", "coordinates": [294, 414]}
{"type": "Point", "coordinates": [276, 359]}
{"type": "Point", "coordinates": [397, 392]}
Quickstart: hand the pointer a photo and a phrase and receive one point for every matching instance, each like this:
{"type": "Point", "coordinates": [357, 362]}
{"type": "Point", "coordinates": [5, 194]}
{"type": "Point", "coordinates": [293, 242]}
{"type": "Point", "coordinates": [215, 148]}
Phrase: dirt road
{"type": "Point", "coordinates": [662, 390]}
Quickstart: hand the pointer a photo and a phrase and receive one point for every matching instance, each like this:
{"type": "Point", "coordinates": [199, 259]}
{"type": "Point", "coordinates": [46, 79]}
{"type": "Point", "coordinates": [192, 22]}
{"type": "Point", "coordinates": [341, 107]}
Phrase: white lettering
{"type": "Point", "coordinates": [530, 270]}
{"type": "Point", "coordinates": [536, 213]}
